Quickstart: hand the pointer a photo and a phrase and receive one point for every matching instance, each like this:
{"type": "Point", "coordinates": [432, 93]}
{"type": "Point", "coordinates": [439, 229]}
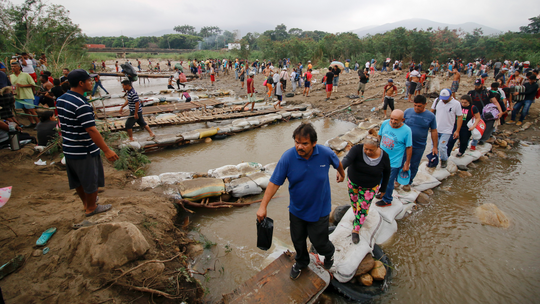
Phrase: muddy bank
{"type": "Point", "coordinates": [81, 264]}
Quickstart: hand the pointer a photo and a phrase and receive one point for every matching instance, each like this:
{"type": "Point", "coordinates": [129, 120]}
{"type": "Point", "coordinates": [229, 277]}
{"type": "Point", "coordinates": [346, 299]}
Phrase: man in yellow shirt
{"type": "Point", "coordinates": [24, 92]}
{"type": "Point", "coordinates": [347, 67]}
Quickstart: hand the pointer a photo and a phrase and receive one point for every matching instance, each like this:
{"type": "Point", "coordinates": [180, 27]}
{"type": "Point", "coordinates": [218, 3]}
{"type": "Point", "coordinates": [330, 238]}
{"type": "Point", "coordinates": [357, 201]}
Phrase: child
{"type": "Point", "coordinates": [170, 86]}
{"type": "Point", "coordinates": [279, 94]}
{"type": "Point", "coordinates": [186, 95]}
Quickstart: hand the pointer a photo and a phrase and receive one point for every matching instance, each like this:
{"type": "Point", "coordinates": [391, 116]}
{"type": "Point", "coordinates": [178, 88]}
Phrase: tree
{"type": "Point", "coordinates": [280, 33]}
{"type": "Point", "coordinates": [533, 27]}
{"type": "Point", "coordinates": [296, 32]}
{"type": "Point", "coordinates": [185, 29]}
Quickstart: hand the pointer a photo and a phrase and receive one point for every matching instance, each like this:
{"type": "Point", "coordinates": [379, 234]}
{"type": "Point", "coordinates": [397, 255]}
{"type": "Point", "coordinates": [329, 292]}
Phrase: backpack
{"type": "Point", "coordinates": [297, 77]}
{"type": "Point", "coordinates": [490, 112]}
{"type": "Point", "coordinates": [270, 80]}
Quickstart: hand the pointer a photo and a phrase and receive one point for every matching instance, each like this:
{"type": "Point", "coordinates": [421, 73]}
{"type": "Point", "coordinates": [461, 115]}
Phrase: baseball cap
{"type": "Point", "coordinates": [75, 76]}
{"type": "Point", "coordinates": [284, 69]}
{"type": "Point", "coordinates": [445, 94]}
{"type": "Point", "coordinates": [484, 75]}
{"type": "Point", "coordinates": [478, 82]}
{"type": "Point", "coordinates": [390, 80]}
{"type": "Point", "coordinates": [403, 177]}
{"type": "Point", "coordinates": [433, 160]}
{"type": "Point", "coordinates": [309, 60]}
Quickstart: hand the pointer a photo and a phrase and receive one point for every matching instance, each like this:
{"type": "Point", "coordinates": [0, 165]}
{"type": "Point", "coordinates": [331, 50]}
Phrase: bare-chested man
{"type": "Point", "coordinates": [455, 82]}
{"type": "Point", "coordinates": [389, 92]}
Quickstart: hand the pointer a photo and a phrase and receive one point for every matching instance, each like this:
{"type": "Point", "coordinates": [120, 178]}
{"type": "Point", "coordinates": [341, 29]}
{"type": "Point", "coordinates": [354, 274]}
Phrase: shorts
{"type": "Point", "coordinates": [212, 78]}
{"type": "Point", "coordinates": [242, 78]}
{"type": "Point", "coordinates": [251, 98]}
{"type": "Point", "coordinates": [329, 87]}
{"type": "Point", "coordinates": [280, 97]}
{"type": "Point", "coordinates": [361, 86]}
{"type": "Point", "coordinates": [388, 102]}
{"type": "Point", "coordinates": [455, 86]}
{"type": "Point", "coordinates": [307, 84]}
{"type": "Point", "coordinates": [412, 88]}
{"type": "Point", "coordinates": [87, 172]}
{"type": "Point", "coordinates": [29, 105]}
{"type": "Point", "coordinates": [130, 122]}
{"type": "Point", "coordinates": [419, 86]}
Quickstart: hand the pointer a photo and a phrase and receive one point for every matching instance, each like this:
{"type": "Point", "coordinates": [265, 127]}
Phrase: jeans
{"type": "Point", "coordinates": [293, 86]}
{"type": "Point", "coordinates": [318, 235]}
{"type": "Point", "coordinates": [443, 145]}
{"type": "Point", "coordinates": [98, 83]}
{"type": "Point", "coordinates": [526, 104]}
{"type": "Point", "coordinates": [390, 188]}
{"type": "Point", "coordinates": [384, 69]}
{"type": "Point", "coordinates": [416, 157]}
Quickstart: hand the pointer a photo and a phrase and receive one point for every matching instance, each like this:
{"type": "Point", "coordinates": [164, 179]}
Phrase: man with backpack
{"type": "Point", "coordinates": [481, 98]}
{"type": "Point", "coordinates": [531, 88]}
{"type": "Point", "coordinates": [364, 78]}
{"type": "Point", "coordinates": [446, 110]}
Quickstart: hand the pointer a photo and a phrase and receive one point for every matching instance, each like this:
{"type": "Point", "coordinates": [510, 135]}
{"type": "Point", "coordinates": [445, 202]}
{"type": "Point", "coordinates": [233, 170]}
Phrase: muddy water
{"type": "Point", "coordinates": [441, 253]}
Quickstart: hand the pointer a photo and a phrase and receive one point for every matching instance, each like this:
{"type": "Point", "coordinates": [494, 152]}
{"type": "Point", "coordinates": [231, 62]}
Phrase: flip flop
{"type": "Point", "coordinates": [100, 209]}
{"type": "Point", "coordinates": [83, 224]}
{"type": "Point", "coordinates": [45, 236]}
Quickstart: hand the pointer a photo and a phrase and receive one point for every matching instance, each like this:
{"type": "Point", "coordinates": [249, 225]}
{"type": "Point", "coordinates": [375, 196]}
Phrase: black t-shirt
{"type": "Point", "coordinates": [63, 78]}
{"type": "Point", "coordinates": [364, 175]}
{"type": "Point", "coordinates": [336, 71]}
{"type": "Point", "coordinates": [329, 77]}
{"type": "Point", "coordinates": [363, 77]}
{"type": "Point", "coordinates": [57, 91]}
{"type": "Point", "coordinates": [45, 132]}
{"type": "Point", "coordinates": [467, 115]}
{"type": "Point", "coordinates": [480, 98]}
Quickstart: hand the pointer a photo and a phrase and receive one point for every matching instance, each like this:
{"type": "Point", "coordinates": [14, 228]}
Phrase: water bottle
{"type": "Point", "coordinates": [14, 140]}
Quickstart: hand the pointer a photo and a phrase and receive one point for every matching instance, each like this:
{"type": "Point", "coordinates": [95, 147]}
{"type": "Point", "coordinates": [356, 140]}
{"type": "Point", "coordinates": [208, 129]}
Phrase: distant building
{"type": "Point", "coordinates": [236, 46]}
{"type": "Point", "coordinates": [95, 46]}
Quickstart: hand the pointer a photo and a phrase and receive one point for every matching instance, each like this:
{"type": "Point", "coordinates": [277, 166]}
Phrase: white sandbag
{"type": "Point", "coordinates": [348, 255]}
{"type": "Point", "coordinates": [355, 135]}
{"type": "Point", "coordinates": [225, 129]}
{"type": "Point", "coordinates": [240, 122]}
{"type": "Point", "coordinates": [408, 207]}
{"type": "Point", "coordinates": [307, 114]}
{"type": "Point", "coordinates": [386, 230]}
{"type": "Point", "coordinates": [194, 97]}
{"type": "Point", "coordinates": [242, 187]}
{"type": "Point", "coordinates": [389, 213]}
{"type": "Point", "coordinates": [171, 178]}
{"type": "Point", "coordinates": [461, 161]}
{"type": "Point", "coordinates": [191, 135]}
{"type": "Point", "coordinates": [228, 171]}
{"type": "Point", "coordinates": [150, 182]}
{"type": "Point", "coordinates": [451, 167]}
{"type": "Point", "coordinates": [423, 181]}
{"type": "Point", "coordinates": [238, 128]}
{"type": "Point", "coordinates": [406, 196]}
{"type": "Point", "coordinates": [253, 121]}
{"type": "Point", "coordinates": [269, 168]}
{"type": "Point", "coordinates": [474, 154]}
{"type": "Point", "coordinates": [133, 144]}
{"type": "Point", "coordinates": [117, 95]}
{"type": "Point", "coordinates": [285, 114]}
{"type": "Point", "coordinates": [167, 139]}
{"type": "Point", "coordinates": [367, 125]}
{"type": "Point", "coordinates": [336, 144]}
{"type": "Point", "coordinates": [485, 148]}
{"type": "Point", "coordinates": [248, 168]}
{"type": "Point", "coordinates": [172, 99]}
{"type": "Point", "coordinates": [147, 93]}
{"type": "Point", "coordinates": [261, 179]}
{"type": "Point", "coordinates": [296, 114]}
{"type": "Point", "coordinates": [437, 172]}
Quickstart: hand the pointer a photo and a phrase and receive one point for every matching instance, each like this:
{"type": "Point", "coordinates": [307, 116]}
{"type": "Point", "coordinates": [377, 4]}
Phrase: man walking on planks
{"type": "Point", "coordinates": [306, 167]}
{"type": "Point", "coordinates": [135, 110]}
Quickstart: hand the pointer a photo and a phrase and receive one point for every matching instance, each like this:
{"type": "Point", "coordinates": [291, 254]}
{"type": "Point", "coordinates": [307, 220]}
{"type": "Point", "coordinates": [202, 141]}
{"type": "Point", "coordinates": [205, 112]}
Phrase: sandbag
{"type": "Point", "coordinates": [424, 181]}
{"type": "Point", "coordinates": [237, 129]}
{"type": "Point", "coordinates": [389, 213]}
{"type": "Point", "coordinates": [269, 168]}
{"type": "Point", "coordinates": [172, 99]}
{"type": "Point", "coordinates": [406, 196]}
{"type": "Point", "coordinates": [248, 168]}
{"type": "Point", "coordinates": [191, 135]}
{"type": "Point", "coordinates": [199, 188]}
{"type": "Point", "coordinates": [207, 132]}
{"type": "Point", "coordinates": [228, 171]}
{"type": "Point", "coordinates": [461, 161]}
{"type": "Point", "coordinates": [240, 122]}
{"type": "Point", "coordinates": [171, 178]}
{"type": "Point", "coordinates": [224, 129]}
{"type": "Point", "coordinates": [150, 182]}
{"type": "Point", "coordinates": [336, 144]}
{"type": "Point", "coordinates": [307, 114]}
{"type": "Point", "coordinates": [165, 116]}
{"type": "Point", "coordinates": [128, 70]}
{"type": "Point", "coordinates": [261, 179]}
{"type": "Point", "coordinates": [408, 207]}
{"type": "Point", "coordinates": [348, 255]}
{"type": "Point", "coordinates": [242, 187]}
{"type": "Point", "coordinates": [167, 139]}
{"type": "Point", "coordinates": [296, 114]}
{"type": "Point", "coordinates": [355, 135]}
{"type": "Point", "coordinates": [367, 125]}
{"type": "Point", "coordinates": [285, 114]}
{"type": "Point", "coordinates": [253, 121]}
{"type": "Point", "coordinates": [386, 231]}
{"type": "Point", "coordinates": [437, 172]}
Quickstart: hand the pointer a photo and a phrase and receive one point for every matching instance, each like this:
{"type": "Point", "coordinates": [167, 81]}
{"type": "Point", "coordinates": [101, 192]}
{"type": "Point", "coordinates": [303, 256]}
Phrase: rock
{"type": "Point", "coordinates": [195, 249]}
{"type": "Point", "coordinates": [446, 188]}
{"type": "Point", "coordinates": [501, 154]}
{"type": "Point", "coordinates": [366, 265]}
{"type": "Point", "coordinates": [423, 199]}
{"type": "Point", "coordinates": [489, 214]}
{"type": "Point", "coordinates": [483, 158]}
{"type": "Point", "coordinates": [378, 272]}
{"type": "Point", "coordinates": [508, 147]}
{"type": "Point", "coordinates": [428, 192]}
{"type": "Point", "coordinates": [37, 253]}
{"type": "Point", "coordinates": [462, 167]}
{"type": "Point", "coordinates": [464, 174]}
{"type": "Point", "coordinates": [502, 143]}
{"type": "Point", "coordinates": [510, 142]}
{"type": "Point", "coordinates": [472, 165]}
{"type": "Point", "coordinates": [366, 279]}
{"type": "Point", "coordinates": [337, 214]}
{"type": "Point", "coordinates": [104, 246]}
{"type": "Point", "coordinates": [148, 270]}
{"type": "Point", "coordinates": [208, 140]}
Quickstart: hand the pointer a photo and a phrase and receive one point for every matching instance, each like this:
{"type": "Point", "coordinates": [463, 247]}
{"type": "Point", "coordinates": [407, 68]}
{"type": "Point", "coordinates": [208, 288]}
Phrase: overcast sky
{"type": "Point", "coordinates": [144, 17]}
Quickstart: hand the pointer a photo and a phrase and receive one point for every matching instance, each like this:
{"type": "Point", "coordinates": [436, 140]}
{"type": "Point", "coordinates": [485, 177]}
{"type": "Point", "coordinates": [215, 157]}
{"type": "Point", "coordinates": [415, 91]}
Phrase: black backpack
{"type": "Point", "coordinates": [270, 80]}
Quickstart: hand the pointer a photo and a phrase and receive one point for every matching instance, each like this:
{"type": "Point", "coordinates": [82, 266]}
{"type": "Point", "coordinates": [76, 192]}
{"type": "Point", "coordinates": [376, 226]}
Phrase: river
{"type": "Point", "coordinates": [441, 253]}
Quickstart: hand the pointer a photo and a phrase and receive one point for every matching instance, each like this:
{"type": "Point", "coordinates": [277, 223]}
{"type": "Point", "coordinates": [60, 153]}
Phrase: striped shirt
{"type": "Point", "coordinates": [75, 115]}
{"type": "Point", "coordinates": [133, 98]}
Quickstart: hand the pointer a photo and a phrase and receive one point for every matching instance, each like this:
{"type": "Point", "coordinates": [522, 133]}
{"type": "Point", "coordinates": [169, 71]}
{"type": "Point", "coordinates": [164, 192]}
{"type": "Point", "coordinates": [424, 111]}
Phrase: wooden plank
{"type": "Point", "coordinates": [274, 285]}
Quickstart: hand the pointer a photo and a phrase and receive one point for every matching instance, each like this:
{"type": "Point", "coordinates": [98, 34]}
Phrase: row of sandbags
{"type": "Point", "coordinates": [352, 137]}
{"type": "Point", "coordinates": [248, 178]}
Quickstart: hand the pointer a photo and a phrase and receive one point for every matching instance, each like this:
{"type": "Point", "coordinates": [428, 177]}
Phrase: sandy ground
{"type": "Point", "coordinates": [41, 199]}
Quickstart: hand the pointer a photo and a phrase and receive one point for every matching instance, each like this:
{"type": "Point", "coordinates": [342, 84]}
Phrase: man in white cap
{"type": "Point", "coordinates": [446, 110]}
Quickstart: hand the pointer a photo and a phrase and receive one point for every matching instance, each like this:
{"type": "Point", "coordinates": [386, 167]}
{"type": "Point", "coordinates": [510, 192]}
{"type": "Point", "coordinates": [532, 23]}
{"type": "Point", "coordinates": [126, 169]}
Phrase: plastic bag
{"type": "Point", "coordinates": [265, 230]}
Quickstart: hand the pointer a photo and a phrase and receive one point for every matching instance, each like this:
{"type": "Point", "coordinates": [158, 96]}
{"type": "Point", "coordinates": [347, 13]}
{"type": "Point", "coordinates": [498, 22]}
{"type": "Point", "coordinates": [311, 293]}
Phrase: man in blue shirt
{"type": "Point", "coordinates": [421, 122]}
{"type": "Point", "coordinates": [306, 167]}
{"type": "Point", "coordinates": [81, 142]}
{"type": "Point", "coordinates": [396, 140]}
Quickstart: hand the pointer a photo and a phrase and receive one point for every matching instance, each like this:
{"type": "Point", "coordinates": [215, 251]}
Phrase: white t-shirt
{"type": "Point", "coordinates": [446, 114]}
{"type": "Point", "coordinates": [293, 75]}
{"type": "Point", "coordinates": [29, 68]}
{"type": "Point", "coordinates": [367, 64]}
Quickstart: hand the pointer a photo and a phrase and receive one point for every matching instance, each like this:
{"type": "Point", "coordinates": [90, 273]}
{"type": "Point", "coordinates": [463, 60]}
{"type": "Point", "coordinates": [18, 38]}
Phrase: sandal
{"type": "Point", "coordinates": [45, 236]}
{"type": "Point", "coordinates": [100, 209]}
